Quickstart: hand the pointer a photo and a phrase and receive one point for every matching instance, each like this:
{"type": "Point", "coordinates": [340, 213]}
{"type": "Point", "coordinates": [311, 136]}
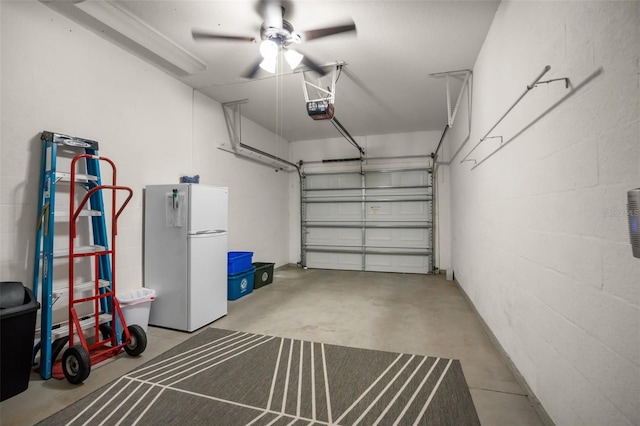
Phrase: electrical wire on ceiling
{"type": "Point", "coordinates": [279, 104]}
{"type": "Point", "coordinates": [339, 73]}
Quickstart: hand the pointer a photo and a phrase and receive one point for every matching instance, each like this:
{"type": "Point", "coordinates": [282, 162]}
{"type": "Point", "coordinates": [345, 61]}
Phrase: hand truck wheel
{"type": "Point", "coordinates": [76, 364]}
{"type": "Point", "coordinates": [106, 331]}
{"type": "Point", "coordinates": [56, 348]}
{"type": "Point", "coordinates": [138, 342]}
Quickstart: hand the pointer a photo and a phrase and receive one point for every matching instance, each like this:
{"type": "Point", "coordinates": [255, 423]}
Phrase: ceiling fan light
{"type": "Point", "coordinates": [268, 49]}
{"type": "Point", "coordinates": [269, 65]}
{"type": "Point", "coordinates": [293, 58]}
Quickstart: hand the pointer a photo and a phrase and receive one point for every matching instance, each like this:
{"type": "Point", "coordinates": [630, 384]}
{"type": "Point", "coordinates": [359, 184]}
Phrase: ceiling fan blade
{"type": "Point", "coordinates": [313, 66]}
{"type": "Point", "coordinates": [204, 35]}
{"type": "Point", "coordinates": [253, 70]}
{"type": "Point", "coordinates": [324, 32]}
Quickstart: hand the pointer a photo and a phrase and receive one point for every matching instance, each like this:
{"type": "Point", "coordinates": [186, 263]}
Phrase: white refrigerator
{"type": "Point", "coordinates": [185, 254]}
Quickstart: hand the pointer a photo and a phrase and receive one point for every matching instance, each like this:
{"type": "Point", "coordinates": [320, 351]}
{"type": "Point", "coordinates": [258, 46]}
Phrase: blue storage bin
{"type": "Point", "coordinates": [239, 261]}
{"type": "Point", "coordinates": [190, 179]}
{"type": "Point", "coordinates": [241, 284]}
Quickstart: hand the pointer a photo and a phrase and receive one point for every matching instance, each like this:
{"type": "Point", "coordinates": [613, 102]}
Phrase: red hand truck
{"type": "Point", "coordinates": [107, 317]}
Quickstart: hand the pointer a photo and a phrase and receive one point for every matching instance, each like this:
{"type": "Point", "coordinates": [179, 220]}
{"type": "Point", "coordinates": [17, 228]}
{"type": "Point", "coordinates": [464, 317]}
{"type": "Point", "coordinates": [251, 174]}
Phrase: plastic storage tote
{"type": "Point", "coordinates": [239, 261]}
{"type": "Point", "coordinates": [18, 310]}
{"type": "Point", "coordinates": [136, 306]}
{"type": "Point", "coordinates": [240, 284]}
{"type": "Point", "coordinates": [264, 274]}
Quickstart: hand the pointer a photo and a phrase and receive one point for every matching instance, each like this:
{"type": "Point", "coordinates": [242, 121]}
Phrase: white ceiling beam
{"type": "Point", "coordinates": [124, 23]}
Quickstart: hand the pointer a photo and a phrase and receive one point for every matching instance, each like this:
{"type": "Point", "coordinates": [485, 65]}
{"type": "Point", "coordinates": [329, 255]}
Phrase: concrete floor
{"type": "Point", "coordinates": [418, 314]}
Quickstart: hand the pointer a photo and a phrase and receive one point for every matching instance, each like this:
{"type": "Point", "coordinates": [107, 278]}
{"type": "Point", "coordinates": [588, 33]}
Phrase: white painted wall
{"type": "Point", "coordinates": [258, 193]}
{"type": "Point", "coordinates": [540, 241]}
{"type": "Point", "coordinates": [58, 76]}
{"type": "Point", "coordinates": [375, 146]}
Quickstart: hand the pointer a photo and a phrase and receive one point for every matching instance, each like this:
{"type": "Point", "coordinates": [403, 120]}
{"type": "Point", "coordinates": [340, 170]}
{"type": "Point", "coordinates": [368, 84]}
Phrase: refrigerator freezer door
{"type": "Point", "coordinates": [207, 269]}
{"type": "Point", "coordinates": [187, 269]}
{"type": "Point", "coordinates": [208, 208]}
{"type": "Point", "coordinates": [165, 260]}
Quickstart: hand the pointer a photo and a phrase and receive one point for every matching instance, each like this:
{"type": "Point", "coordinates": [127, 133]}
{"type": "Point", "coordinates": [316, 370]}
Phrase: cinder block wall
{"type": "Point", "coordinates": [60, 77]}
{"type": "Point", "coordinates": [540, 241]}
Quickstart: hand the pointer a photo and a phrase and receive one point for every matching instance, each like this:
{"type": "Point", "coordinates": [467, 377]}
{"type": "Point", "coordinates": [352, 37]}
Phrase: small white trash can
{"type": "Point", "coordinates": [136, 306]}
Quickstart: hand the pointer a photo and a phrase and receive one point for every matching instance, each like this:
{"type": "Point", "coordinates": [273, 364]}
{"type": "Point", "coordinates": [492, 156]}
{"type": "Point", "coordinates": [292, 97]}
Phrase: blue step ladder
{"type": "Point", "coordinates": [53, 337]}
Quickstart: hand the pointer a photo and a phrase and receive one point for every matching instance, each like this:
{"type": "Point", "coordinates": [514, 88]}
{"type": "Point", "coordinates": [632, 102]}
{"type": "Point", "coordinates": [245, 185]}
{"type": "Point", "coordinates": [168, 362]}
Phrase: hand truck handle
{"type": "Point", "coordinates": [92, 191]}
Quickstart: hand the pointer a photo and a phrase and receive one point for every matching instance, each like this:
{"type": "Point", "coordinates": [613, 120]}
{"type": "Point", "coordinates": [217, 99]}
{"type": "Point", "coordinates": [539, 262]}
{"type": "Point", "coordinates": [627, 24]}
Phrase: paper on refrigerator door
{"type": "Point", "coordinates": [175, 209]}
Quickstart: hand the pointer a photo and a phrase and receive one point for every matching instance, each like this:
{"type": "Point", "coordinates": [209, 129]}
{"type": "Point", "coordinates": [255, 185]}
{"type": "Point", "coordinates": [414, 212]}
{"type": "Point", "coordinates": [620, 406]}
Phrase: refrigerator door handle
{"type": "Point", "coordinates": [210, 232]}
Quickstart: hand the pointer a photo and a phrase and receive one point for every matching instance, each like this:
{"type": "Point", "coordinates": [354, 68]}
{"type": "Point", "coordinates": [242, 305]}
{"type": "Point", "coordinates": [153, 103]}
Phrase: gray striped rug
{"type": "Point", "coordinates": [222, 377]}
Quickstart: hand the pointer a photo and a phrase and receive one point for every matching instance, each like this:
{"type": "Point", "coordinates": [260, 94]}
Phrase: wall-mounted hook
{"type": "Point", "coordinates": [495, 137]}
{"type": "Point", "coordinates": [529, 88]}
{"type": "Point", "coordinates": [566, 82]}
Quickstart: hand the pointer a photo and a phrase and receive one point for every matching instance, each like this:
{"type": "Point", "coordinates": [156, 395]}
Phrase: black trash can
{"type": "Point", "coordinates": [18, 310]}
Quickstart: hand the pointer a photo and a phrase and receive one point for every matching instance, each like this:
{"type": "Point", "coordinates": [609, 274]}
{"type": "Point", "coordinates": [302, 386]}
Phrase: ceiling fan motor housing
{"type": "Point", "coordinates": [278, 35]}
{"type": "Point", "coordinates": [282, 36]}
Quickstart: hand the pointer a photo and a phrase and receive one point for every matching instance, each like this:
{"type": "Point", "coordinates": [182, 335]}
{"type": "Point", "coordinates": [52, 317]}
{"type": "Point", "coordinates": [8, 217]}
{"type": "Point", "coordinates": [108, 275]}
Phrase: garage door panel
{"type": "Point", "coordinates": [398, 263]}
{"type": "Point", "coordinates": [380, 179]}
{"type": "Point", "coordinates": [318, 211]}
{"type": "Point", "coordinates": [398, 238]}
{"type": "Point", "coordinates": [380, 237]}
{"type": "Point", "coordinates": [382, 218]}
{"type": "Point", "coordinates": [404, 209]}
{"type": "Point", "coordinates": [400, 178]}
{"type": "Point", "coordinates": [348, 209]}
{"type": "Point", "coordinates": [334, 212]}
{"type": "Point", "coordinates": [382, 192]}
{"type": "Point", "coordinates": [332, 193]}
{"type": "Point", "coordinates": [341, 237]}
{"type": "Point", "coordinates": [315, 182]}
{"type": "Point", "coordinates": [343, 261]}
{"type": "Point", "coordinates": [401, 210]}
{"type": "Point", "coordinates": [413, 178]}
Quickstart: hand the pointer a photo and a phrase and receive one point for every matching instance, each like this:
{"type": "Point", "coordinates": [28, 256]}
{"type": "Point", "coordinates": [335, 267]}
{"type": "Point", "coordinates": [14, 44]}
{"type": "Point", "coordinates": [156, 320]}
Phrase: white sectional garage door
{"type": "Point", "coordinates": [374, 221]}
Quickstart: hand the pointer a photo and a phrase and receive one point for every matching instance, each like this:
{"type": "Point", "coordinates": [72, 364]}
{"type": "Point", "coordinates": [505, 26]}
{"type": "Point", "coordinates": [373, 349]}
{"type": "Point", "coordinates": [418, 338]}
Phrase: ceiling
{"type": "Point", "coordinates": [384, 86]}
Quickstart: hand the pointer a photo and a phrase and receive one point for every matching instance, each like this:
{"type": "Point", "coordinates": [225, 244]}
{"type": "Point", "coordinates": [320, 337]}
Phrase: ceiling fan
{"type": "Point", "coordinates": [278, 35]}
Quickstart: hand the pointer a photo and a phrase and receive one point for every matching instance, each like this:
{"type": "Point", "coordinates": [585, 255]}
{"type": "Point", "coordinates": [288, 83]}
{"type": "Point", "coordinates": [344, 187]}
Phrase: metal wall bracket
{"type": "Point", "coordinates": [233, 118]}
{"type": "Point", "coordinates": [329, 95]}
{"type": "Point", "coordinates": [451, 115]}
{"type": "Point", "coordinates": [232, 115]}
{"type": "Point", "coordinates": [325, 94]}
